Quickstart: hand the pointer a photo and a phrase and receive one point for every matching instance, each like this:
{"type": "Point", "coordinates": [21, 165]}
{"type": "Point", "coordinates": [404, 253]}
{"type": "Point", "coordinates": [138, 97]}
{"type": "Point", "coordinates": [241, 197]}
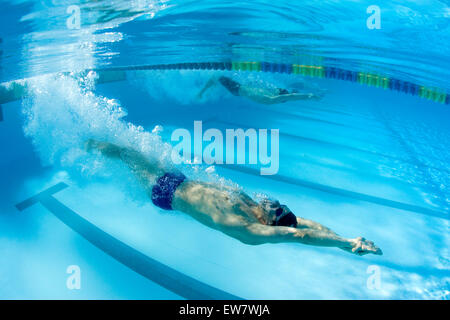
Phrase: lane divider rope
{"type": "Point", "coordinates": [363, 78]}
{"type": "Point", "coordinates": [16, 91]}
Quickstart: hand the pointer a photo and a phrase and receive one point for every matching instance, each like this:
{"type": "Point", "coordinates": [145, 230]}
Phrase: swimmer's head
{"type": "Point", "coordinates": [278, 214]}
{"type": "Point", "coordinates": [270, 206]}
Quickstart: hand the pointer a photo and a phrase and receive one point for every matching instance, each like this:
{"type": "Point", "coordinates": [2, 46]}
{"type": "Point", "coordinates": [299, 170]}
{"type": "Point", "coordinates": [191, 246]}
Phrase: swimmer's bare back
{"type": "Point", "coordinates": [227, 209]}
{"type": "Point", "coordinates": [257, 94]}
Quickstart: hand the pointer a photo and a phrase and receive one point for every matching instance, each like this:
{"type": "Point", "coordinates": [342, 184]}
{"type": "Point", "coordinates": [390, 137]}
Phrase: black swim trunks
{"type": "Point", "coordinates": [164, 189]}
{"type": "Point", "coordinates": [231, 85]}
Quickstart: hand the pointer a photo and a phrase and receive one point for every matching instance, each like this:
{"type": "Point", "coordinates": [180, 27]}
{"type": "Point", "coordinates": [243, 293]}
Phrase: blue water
{"type": "Point", "coordinates": [362, 160]}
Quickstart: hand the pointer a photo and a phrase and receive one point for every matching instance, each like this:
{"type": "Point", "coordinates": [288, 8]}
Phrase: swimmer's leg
{"type": "Point", "coordinates": [259, 234]}
{"type": "Point", "coordinates": [144, 169]}
{"type": "Point", "coordinates": [107, 149]}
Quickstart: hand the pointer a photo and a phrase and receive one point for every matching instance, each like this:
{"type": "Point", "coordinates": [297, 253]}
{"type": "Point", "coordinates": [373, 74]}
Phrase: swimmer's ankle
{"type": "Point", "coordinates": [90, 144]}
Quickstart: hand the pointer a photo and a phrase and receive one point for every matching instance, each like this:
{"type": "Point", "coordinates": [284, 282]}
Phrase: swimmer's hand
{"type": "Point", "coordinates": [314, 96]}
{"type": "Point", "coordinates": [361, 246]}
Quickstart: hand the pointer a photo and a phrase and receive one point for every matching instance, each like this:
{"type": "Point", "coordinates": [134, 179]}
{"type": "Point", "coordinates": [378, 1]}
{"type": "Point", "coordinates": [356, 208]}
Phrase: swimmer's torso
{"type": "Point", "coordinates": [218, 208]}
{"type": "Point", "coordinates": [248, 91]}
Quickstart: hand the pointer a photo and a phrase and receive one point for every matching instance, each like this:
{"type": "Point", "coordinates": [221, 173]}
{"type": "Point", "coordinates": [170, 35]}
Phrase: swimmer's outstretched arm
{"type": "Point", "coordinates": [265, 98]}
{"type": "Point", "coordinates": [259, 233]}
{"type": "Point", "coordinates": [360, 242]}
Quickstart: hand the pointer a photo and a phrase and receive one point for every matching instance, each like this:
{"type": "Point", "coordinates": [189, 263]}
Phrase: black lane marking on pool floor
{"type": "Point", "coordinates": [338, 191]}
{"type": "Point", "coordinates": [337, 145]}
{"type": "Point", "coordinates": [1, 113]}
{"type": "Point", "coordinates": [341, 192]}
{"type": "Point", "coordinates": [370, 128]}
{"type": "Point", "coordinates": [333, 190]}
{"type": "Point", "coordinates": [434, 185]}
{"type": "Point", "coordinates": [312, 118]}
{"type": "Point", "coordinates": [169, 278]}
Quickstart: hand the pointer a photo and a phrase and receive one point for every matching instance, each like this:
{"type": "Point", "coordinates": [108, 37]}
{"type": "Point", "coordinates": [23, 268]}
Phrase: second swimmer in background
{"type": "Point", "coordinates": [261, 95]}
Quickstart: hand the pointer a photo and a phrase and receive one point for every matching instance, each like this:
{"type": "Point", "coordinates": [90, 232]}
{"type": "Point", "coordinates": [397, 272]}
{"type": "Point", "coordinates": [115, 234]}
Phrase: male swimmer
{"type": "Point", "coordinates": [257, 94]}
{"type": "Point", "coordinates": [226, 209]}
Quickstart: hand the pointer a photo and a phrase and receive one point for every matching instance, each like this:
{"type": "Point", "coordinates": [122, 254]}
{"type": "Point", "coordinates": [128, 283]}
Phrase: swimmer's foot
{"type": "Point", "coordinates": [106, 148]}
{"type": "Point", "coordinates": [90, 144]}
{"type": "Point", "coordinates": [361, 246]}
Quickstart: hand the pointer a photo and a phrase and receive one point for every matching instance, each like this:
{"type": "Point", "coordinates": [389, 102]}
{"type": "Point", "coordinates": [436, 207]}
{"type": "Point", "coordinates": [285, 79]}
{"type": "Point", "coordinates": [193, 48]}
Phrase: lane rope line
{"type": "Point", "coordinates": [113, 74]}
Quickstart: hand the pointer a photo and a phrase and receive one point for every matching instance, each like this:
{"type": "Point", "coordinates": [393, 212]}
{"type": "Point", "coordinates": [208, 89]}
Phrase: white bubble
{"type": "Point", "coordinates": [62, 112]}
{"type": "Point", "coordinates": [157, 129]}
{"type": "Point", "coordinates": [210, 169]}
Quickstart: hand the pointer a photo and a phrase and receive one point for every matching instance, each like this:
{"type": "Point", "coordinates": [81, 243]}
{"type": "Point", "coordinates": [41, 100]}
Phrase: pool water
{"type": "Point", "coordinates": [362, 160]}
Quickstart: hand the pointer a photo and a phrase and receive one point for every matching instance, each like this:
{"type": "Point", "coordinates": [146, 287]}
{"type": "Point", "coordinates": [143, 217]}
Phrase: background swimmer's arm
{"type": "Point", "coordinates": [209, 84]}
{"type": "Point", "coordinates": [293, 96]}
{"type": "Point", "coordinates": [257, 96]}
